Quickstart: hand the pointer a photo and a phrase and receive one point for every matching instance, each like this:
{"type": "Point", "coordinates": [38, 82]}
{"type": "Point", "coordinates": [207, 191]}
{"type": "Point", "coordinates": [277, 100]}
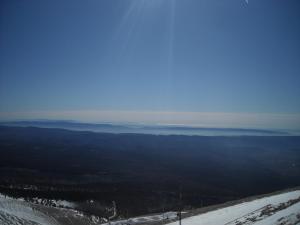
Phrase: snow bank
{"type": "Point", "coordinates": [17, 212]}
{"type": "Point", "coordinates": [230, 215]}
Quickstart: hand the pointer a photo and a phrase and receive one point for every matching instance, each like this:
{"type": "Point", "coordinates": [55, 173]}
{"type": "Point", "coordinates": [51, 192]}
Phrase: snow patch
{"type": "Point", "coordinates": [18, 212]}
{"type": "Point", "coordinates": [264, 211]}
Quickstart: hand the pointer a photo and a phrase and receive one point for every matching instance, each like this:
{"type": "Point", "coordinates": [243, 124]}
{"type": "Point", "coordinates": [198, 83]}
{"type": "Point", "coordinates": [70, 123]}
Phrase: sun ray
{"type": "Point", "coordinates": [171, 36]}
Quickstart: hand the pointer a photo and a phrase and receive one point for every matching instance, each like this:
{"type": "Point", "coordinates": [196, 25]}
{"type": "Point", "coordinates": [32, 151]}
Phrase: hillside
{"type": "Point", "coordinates": [278, 209]}
{"type": "Point", "coordinates": [19, 211]}
{"type": "Point", "coordinates": [275, 209]}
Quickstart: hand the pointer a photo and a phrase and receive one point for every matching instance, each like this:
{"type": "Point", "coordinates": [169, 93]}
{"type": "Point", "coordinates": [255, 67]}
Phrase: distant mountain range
{"type": "Point", "coordinates": [146, 129]}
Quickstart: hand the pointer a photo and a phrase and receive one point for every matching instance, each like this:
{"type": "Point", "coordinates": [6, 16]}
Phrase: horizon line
{"type": "Point", "coordinates": [194, 119]}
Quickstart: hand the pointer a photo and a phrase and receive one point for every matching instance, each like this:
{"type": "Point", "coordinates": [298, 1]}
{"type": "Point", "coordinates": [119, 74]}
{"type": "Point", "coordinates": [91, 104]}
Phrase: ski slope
{"type": "Point", "coordinates": [281, 209]}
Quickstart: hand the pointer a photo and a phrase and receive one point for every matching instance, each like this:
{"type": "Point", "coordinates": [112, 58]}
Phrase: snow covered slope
{"type": "Point", "coordinates": [148, 219]}
{"type": "Point", "coordinates": [19, 212]}
{"type": "Point", "coordinates": [281, 209]}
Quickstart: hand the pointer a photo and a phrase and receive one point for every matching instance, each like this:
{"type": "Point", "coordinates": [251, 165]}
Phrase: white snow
{"type": "Point", "coordinates": [19, 212]}
{"type": "Point", "coordinates": [245, 211]}
{"type": "Point", "coordinates": [65, 204]}
{"type": "Point", "coordinates": [273, 210]}
{"type": "Point", "coordinates": [143, 219]}
{"type": "Point", "coordinates": [286, 216]}
{"type": "Point", "coordinates": [55, 203]}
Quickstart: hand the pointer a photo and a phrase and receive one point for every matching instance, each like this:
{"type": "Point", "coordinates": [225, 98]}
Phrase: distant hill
{"type": "Point", "coordinates": [146, 129]}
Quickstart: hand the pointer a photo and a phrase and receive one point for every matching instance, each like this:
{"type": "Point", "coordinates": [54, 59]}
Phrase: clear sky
{"type": "Point", "coordinates": [175, 56]}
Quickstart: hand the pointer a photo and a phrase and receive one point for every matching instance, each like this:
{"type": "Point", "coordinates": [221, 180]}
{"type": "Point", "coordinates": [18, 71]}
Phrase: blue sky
{"type": "Point", "coordinates": [218, 56]}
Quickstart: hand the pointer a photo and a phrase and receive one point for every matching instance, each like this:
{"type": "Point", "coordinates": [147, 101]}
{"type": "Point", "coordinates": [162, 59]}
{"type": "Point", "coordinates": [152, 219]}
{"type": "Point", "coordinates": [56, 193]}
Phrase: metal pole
{"type": "Point", "coordinates": [180, 217]}
{"type": "Point", "coordinates": [180, 205]}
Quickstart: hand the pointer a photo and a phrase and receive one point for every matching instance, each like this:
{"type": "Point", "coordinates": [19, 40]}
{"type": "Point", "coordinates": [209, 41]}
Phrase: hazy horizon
{"type": "Point", "coordinates": [186, 119]}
